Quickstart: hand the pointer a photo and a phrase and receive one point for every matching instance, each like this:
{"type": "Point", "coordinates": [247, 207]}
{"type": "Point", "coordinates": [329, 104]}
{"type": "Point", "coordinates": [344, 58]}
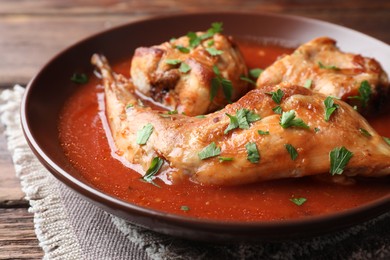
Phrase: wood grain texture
{"type": "Point", "coordinates": [17, 236]}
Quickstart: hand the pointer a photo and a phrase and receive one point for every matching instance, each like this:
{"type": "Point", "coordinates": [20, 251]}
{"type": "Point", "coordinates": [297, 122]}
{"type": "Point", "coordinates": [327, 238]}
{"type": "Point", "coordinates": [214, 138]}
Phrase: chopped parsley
{"type": "Point", "coordinates": [255, 73]}
{"type": "Point", "coordinates": [292, 151]}
{"type": "Point", "coordinates": [185, 208]}
{"type": "Point", "coordinates": [200, 116]}
{"type": "Point", "coordinates": [298, 201]}
{"type": "Point", "coordinates": [184, 67]}
{"type": "Point", "coordinates": [387, 140]}
{"type": "Point", "coordinates": [79, 78]}
{"type": "Point", "coordinates": [277, 110]}
{"type": "Point", "coordinates": [365, 93]}
{"type": "Point", "coordinates": [213, 51]}
{"type": "Point", "coordinates": [243, 78]}
{"type": "Point", "coordinates": [276, 96]}
{"type": "Point", "coordinates": [128, 106]}
{"type": "Point", "coordinates": [144, 134]}
{"type": "Point", "coordinates": [209, 151]}
{"type": "Point", "coordinates": [364, 132]}
{"type": "Point", "coordinates": [253, 153]}
{"type": "Point", "coordinates": [316, 129]}
{"type": "Point", "coordinates": [154, 167]}
{"type": "Point", "coordinates": [172, 61]}
{"type": "Point", "coordinates": [330, 107]}
{"type": "Point", "coordinates": [242, 119]}
{"type": "Point", "coordinates": [261, 132]}
{"type": "Point", "coordinates": [308, 83]}
{"type": "Point", "coordinates": [210, 43]}
{"type": "Point", "coordinates": [195, 39]}
{"type": "Point", "coordinates": [219, 81]}
{"type": "Point", "coordinates": [225, 159]}
{"type": "Point", "coordinates": [288, 120]}
{"type": "Point", "coordinates": [329, 67]}
{"type": "Point", "coordinates": [339, 158]}
{"type": "Point", "coordinates": [182, 49]}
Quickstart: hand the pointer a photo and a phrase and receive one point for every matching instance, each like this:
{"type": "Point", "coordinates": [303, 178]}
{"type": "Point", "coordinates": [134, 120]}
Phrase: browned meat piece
{"type": "Point", "coordinates": [239, 149]}
{"type": "Point", "coordinates": [180, 77]}
{"type": "Point", "coordinates": [322, 67]}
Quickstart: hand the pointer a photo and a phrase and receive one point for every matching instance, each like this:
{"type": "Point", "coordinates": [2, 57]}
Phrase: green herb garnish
{"type": "Point", "coordinates": [195, 39]}
{"type": "Point", "coordinates": [330, 107]}
{"type": "Point", "coordinates": [242, 119]}
{"type": "Point", "coordinates": [213, 51]}
{"type": "Point", "coordinates": [387, 140]}
{"type": "Point", "coordinates": [308, 83]}
{"type": "Point", "coordinates": [276, 96]}
{"type": "Point", "coordinates": [288, 120]}
{"type": "Point", "coordinates": [185, 208]}
{"type": "Point", "coordinates": [182, 49]}
{"type": "Point", "coordinates": [261, 132]}
{"type": "Point", "coordinates": [292, 151]}
{"type": "Point", "coordinates": [219, 81]}
{"type": "Point", "coordinates": [316, 129]}
{"type": "Point", "coordinates": [209, 151]}
{"type": "Point", "coordinates": [277, 110]}
{"type": "Point", "coordinates": [364, 132]}
{"type": "Point", "coordinates": [200, 116]}
{"type": "Point", "coordinates": [331, 67]}
{"type": "Point", "coordinates": [144, 134]}
{"type": "Point", "coordinates": [365, 93]}
{"type": "Point", "coordinates": [298, 201]}
{"type": "Point", "coordinates": [255, 73]}
{"type": "Point", "coordinates": [154, 167]}
{"type": "Point", "coordinates": [253, 153]}
{"type": "Point", "coordinates": [172, 61]}
{"type": "Point", "coordinates": [184, 68]}
{"type": "Point", "coordinates": [225, 159]}
{"type": "Point", "coordinates": [79, 78]}
{"type": "Point", "coordinates": [243, 78]}
{"type": "Point", "coordinates": [339, 158]}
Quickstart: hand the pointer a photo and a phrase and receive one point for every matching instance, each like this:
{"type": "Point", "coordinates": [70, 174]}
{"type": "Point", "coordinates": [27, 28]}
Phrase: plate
{"type": "Point", "coordinates": [48, 90]}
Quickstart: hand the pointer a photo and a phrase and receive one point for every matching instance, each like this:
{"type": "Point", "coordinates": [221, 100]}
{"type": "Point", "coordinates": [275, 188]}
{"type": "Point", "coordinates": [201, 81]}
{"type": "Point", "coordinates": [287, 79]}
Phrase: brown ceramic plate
{"type": "Point", "coordinates": [47, 92]}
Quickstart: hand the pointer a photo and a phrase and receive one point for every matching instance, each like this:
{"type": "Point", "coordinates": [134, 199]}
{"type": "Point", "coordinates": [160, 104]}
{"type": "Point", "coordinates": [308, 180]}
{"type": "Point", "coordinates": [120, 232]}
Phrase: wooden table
{"type": "Point", "coordinates": [31, 32]}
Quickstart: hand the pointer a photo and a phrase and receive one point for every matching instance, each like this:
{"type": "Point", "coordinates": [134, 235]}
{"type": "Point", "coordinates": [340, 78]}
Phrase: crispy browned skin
{"type": "Point", "coordinates": [342, 81]}
{"type": "Point", "coordinates": [178, 138]}
{"type": "Point", "coordinates": [188, 92]}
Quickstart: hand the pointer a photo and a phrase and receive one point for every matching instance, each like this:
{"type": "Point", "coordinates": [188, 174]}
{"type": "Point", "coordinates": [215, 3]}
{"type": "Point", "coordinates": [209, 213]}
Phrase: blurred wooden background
{"type": "Point", "coordinates": [31, 32]}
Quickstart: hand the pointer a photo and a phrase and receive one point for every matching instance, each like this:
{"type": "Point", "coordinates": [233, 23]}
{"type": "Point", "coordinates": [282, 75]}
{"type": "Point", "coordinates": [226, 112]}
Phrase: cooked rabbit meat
{"type": "Point", "coordinates": [322, 67]}
{"type": "Point", "coordinates": [181, 140]}
{"type": "Point", "coordinates": [180, 77]}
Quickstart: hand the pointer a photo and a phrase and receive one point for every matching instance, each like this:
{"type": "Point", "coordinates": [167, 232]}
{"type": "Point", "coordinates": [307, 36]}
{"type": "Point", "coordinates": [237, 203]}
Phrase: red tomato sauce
{"type": "Point", "coordinates": [84, 141]}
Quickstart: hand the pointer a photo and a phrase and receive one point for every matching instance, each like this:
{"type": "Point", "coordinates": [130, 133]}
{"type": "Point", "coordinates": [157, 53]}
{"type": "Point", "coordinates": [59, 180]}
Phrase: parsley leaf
{"type": "Point", "coordinates": [200, 116]}
{"type": "Point", "coordinates": [172, 61]}
{"type": "Point", "coordinates": [195, 39]}
{"type": "Point", "coordinates": [298, 201]}
{"type": "Point", "coordinates": [339, 158]}
{"type": "Point", "coordinates": [365, 93]}
{"type": "Point", "coordinates": [184, 67]}
{"type": "Point", "coordinates": [209, 151]}
{"type": "Point", "coordinates": [79, 78]}
{"type": "Point", "coordinates": [144, 134]}
{"type": "Point", "coordinates": [213, 51]}
{"type": "Point", "coordinates": [154, 167]}
{"type": "Point", "coordinates": [185, 208]}
{"type": "Point", "coordinates": [225, 159]}
{"type": "Point", "coordinates": [242, 119]}
{"type": "Point", "coordinates": [218, 81]}
{"type": "Point", "coordinates": [253, 153]}
{"type": "Point", "coordinates": [316, 129]}
{"type": "Point", "coordinates": [243, 78]}
{"type": "Point", "coordinates": [288, 120]}
{"type": "Point", "coordinates": [364, 132]}
{"type": "Point", "coordinates": [331, 67]}
{"type": "Point", "coordinates": [277, 110]}
{"type": "Point", "coordinates": [387, 140]}
{"type": "Point", "coordinates": [276, 96]}
{"type": "Point", "coordinates": [182, 49]}
{"type": "Point", "coordinates": [255, 73]}
{"type": "Point", "coordinates": [292, 151]}
{"type": "Point", "coordinates": [308, 83]}
{"type": "Point", "coordinates": [261, 132]}
{"type": "Point", "coordinates": [330, 107]}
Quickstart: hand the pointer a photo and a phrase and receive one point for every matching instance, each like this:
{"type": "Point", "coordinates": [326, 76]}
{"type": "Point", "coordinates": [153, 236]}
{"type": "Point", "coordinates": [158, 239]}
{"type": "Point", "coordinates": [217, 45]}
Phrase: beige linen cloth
{"type": "Point", "coordinates": [69, 227]}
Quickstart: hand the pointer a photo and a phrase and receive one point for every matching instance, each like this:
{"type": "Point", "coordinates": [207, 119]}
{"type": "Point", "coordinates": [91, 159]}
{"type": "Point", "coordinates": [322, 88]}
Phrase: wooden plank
{"type": "Point", "coordinates": [17, 236]}
{"type": "Point", "coordinates": [10, 191]}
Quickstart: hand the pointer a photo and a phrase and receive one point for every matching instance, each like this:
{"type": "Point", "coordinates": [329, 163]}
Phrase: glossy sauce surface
{"type": "Point", "coordinates": [84, 141]}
